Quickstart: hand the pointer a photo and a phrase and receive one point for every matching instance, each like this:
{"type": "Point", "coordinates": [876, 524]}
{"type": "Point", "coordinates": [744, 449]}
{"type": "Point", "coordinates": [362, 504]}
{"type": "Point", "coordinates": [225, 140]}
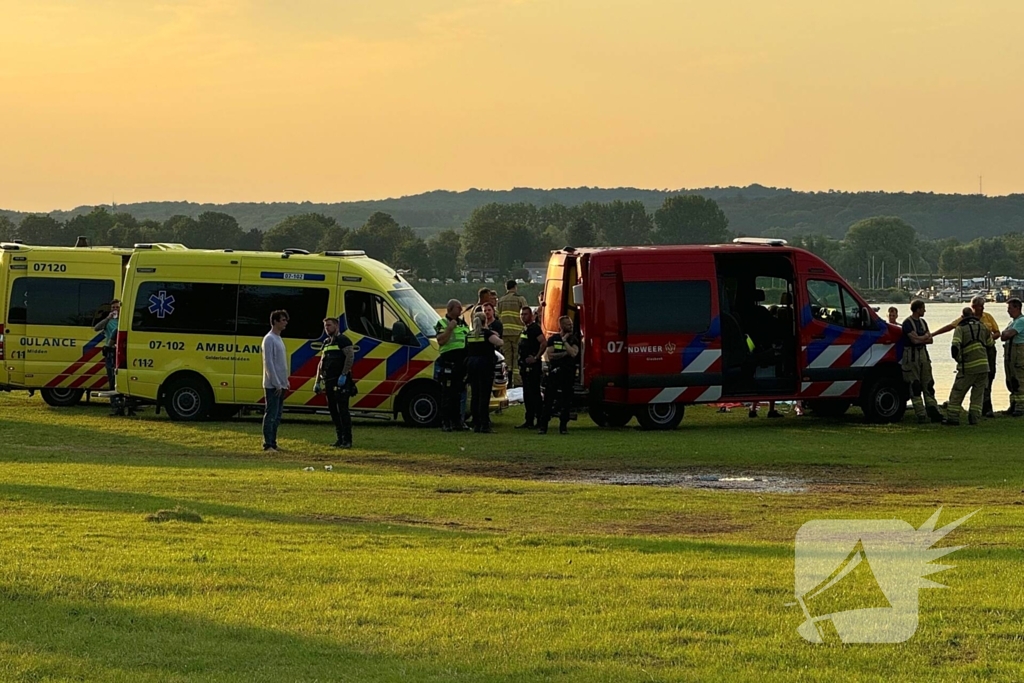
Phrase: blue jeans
{"type": "Point", "coordinates": [272, 417]}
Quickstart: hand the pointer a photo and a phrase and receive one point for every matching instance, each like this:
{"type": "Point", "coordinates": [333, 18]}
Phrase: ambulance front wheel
{"type": "Point", "coordinates": [188, 399]}
{"type": "Point", "coordinates": [62, 398]}
{"type": "Point", "coordinates": [660, 415]}
{"type": "Point", "coordinates": [421, 405]}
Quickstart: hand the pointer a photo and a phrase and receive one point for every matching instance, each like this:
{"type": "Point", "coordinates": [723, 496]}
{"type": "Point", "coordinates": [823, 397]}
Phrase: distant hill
{"type": "Point", "coordinates": [752, 210]}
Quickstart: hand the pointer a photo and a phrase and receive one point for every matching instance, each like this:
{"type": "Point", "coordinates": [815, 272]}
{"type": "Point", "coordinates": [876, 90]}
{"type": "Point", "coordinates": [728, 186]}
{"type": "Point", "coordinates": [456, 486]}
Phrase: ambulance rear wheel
{"type": "Point", "coordinates": [661, 416]}
{"type": "Point", "coordinates": [885, 401]}
{"type": "Point", "coordinates": [188, 400]}
{"type": "Point", "coordinates": [62, 398]}
{"type": "Point", "coordinates": [422, 406]}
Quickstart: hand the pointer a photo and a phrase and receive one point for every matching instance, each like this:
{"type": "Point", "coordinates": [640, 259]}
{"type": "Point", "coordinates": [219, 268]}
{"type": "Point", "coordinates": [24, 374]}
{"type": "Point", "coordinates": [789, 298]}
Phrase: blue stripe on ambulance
{"type": "Point", "coordinates": [93, 342]}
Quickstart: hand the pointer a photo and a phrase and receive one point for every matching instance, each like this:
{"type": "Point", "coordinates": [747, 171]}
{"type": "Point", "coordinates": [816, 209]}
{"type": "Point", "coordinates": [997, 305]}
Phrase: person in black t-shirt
{"type": "Point", "coordinates": [335, 377]}
{"type": "Point", "coordinates": [480, 360]}
{"type": "Point", "coordinates": [562, 350]}
{"type": "Point", "coordinates": [491, 321]}
{"type": "Point", "coordinates": [531, 350]}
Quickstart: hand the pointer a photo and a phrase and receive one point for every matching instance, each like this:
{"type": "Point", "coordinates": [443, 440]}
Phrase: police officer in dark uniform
{"type": "Point", "coordinates": [532, 345]}
{"type": "Point", "coordinates": [335, 377]}
{"type": "Point", "coordinates": [563, 350]}
{"type": "Point", "coordinates": [480, 346]}
{"type": "Point", "coordinates": [450, 369]}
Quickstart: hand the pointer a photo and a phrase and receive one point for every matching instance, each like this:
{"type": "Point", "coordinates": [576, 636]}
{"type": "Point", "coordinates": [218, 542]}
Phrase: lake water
{"type": "Point", "coordinates": [943, 366]}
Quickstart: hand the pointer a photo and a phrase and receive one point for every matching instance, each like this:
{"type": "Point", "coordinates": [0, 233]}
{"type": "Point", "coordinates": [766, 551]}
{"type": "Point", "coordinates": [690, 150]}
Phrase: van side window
{"type": "Point", "coordinates": [306, 306]}
{"type": "Point", "coordinates": [662, 307]}
{"type": "Point", "coordinates": [369, 315]}
{"type": "Point", "coordinates": [65, 302]}
{"type": "Point", "coordinates": [833, 304]}
{"type": "Point", "coordinates": [186, 307]}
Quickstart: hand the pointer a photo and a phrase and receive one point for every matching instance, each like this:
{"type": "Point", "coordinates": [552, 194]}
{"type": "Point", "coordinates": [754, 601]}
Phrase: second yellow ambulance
{"type": "Point", "coordinates": [192, 323]}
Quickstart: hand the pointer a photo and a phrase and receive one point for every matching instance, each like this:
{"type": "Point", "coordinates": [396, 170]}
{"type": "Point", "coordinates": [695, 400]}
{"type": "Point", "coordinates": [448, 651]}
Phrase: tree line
{"type": "Point", "coordinates": [501, 237]}
{"type": "Point", "coordinates": [752, 210]}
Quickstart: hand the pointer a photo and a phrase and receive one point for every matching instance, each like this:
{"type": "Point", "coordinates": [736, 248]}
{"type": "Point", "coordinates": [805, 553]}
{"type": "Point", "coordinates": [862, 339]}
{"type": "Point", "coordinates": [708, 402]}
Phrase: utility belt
{"type": "Point", "coordinates": [109, 351]}
{"type": "Point", "coordinates": [349, 389]}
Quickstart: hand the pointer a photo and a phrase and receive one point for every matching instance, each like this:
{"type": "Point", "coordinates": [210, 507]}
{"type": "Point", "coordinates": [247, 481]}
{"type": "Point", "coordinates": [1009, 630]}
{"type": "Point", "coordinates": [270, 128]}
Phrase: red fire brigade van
{"type": "Point", "coordinates": [756, 320]}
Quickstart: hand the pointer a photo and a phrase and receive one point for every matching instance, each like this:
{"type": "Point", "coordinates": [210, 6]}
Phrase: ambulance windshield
{"type": "Point", "coordinates": [418, 309]}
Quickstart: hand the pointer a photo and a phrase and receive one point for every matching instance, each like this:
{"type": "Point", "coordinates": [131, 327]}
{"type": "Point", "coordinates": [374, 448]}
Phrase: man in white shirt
{"type": "Point", "coordinates": [275, 378]}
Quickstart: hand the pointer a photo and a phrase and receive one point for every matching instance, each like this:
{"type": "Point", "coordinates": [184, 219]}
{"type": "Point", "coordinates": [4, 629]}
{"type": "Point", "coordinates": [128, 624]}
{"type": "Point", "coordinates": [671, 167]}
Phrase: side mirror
{"type": "Point", "coordinates": [865, 317]}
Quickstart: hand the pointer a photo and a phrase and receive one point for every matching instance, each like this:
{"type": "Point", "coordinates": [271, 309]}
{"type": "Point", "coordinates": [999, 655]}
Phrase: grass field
{"type": "Point", "coordinates": [470, 558]}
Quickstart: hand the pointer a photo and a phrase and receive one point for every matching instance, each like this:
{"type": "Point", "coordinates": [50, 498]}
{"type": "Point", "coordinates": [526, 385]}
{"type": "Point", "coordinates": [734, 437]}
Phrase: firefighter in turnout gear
{"type": "Point", "coordinates": [971, 342]}
{"type": "Point", "coordinates": [508, 310]}
{"type": "Point", "coordinates": [450, 369]}
{"type": "Point", "coordinates": [334, 376]}
{"type": "Point", "coordinates": [1013, 357]}
{"type": "Point", "coordinates": [988, 322]}
{"type": "Point", "coordinates": [563, 350]}
{"type": "Point", "coordinates": [917, 364]}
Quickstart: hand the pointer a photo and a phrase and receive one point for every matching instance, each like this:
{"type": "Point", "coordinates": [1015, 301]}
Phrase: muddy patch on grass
{"type": "Point", "coordinates": [751, 482]}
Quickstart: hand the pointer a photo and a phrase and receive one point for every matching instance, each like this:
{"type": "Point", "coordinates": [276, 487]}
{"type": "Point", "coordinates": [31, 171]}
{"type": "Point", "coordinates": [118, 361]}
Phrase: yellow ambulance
{"type": "Point", "coordinates": [50, 299]}
{"type": "Point", "coordinates": [192, 323]}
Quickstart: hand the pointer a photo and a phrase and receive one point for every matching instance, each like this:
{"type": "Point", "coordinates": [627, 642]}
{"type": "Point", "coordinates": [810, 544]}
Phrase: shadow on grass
{"type": "Point", "coordinates": [143, 504]}
{"type": "Point", "coordinates": [59, 639]}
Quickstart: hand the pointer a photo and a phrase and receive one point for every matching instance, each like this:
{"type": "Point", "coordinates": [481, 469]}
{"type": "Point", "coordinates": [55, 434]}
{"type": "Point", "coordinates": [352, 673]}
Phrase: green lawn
{"type": "Point", "coordinates": [423, 556]}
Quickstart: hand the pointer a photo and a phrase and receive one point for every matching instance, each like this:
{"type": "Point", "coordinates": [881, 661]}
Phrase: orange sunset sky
{"type": "Point", "coordinates": [332, 100]}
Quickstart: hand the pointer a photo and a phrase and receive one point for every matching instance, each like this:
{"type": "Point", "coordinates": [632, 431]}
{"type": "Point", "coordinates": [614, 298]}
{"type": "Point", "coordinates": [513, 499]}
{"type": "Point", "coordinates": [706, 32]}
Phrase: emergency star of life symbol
{"type": "Point", "coordinates": [858, 579]}
{"type": "Point", "coordinates": [161, 304]}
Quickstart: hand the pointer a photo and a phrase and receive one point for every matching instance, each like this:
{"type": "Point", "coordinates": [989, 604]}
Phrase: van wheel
{"type": "Point", "coordinates": [825, 408]}
{"type": "Point", "coordinates": [188, 400]}
{"type": "Point", "coordinates": [885, 401]}
{"type": "Point", "coordinates": [660, 415]}
{"type": "Point", "coordinates": [62, 398]}
{"type": "Point", "coordinates": [422, 407]}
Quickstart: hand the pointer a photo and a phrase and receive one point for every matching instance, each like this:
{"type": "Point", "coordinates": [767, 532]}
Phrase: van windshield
{"type": "Point", "coordinates": [422, 313]}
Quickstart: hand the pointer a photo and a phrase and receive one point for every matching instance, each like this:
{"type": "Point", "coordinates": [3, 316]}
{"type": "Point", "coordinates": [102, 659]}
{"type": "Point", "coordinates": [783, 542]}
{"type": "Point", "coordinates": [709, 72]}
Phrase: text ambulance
{"type": "Point", "coordinates": [192, 323]}
{"type": "Point", "coordinates": [663, 327]}
{"type": "Point", "coordinates": [50, 299]}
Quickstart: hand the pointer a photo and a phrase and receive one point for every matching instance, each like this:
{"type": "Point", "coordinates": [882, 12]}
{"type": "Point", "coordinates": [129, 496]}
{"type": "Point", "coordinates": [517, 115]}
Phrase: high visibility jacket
{"type": "Point", "coordinates": [508, 309]}
{"type": "Point", "coordinates": [457, 341]}
{"type": "Point", "coordinates": [971, 341]}
{"type": "Point", "coordinates": [332, 355]}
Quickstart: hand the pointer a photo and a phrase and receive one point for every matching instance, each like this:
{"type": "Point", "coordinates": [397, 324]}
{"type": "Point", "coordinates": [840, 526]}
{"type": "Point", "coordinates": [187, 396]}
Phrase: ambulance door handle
{"type": "Point", "coordinates": [707, 338]}
{"type": "Point", "coordinates": [818, 336]}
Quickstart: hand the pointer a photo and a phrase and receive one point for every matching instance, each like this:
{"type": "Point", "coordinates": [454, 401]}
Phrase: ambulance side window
{"type": "Point", "coordinates": [306, 306]}
{"type": "Point", "coordinates": [186, 307]}
{"type": "Point", "coordinates": [833, 304]}
{"type": "Point", "coordinates": [65, 302]}
{"type": "Point", "coordinates": [369, 315]}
